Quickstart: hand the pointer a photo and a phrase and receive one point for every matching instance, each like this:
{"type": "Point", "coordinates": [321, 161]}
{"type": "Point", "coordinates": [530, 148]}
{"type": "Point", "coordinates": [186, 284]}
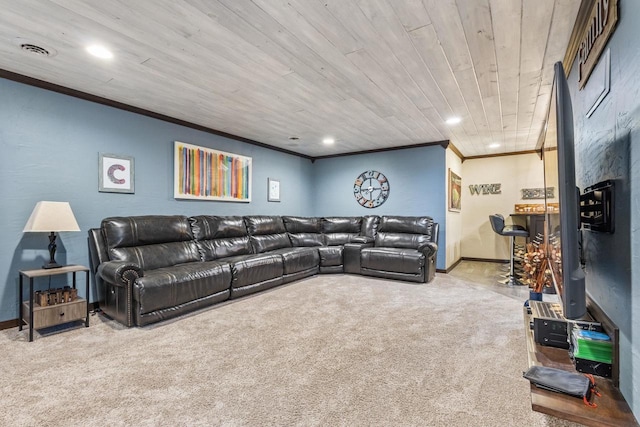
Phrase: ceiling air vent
{"type": "Point", "coordinates": [34, 49]}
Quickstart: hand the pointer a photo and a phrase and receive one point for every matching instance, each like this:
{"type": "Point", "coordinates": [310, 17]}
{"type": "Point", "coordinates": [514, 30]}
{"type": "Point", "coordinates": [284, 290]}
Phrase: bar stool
{"type": "Point", "coordinates": [512, 231]}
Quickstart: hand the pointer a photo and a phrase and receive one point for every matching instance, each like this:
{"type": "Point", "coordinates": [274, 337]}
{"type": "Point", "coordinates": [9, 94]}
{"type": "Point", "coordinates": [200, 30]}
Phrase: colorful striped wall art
{"type": "Point", "coordinates": [208, 174]}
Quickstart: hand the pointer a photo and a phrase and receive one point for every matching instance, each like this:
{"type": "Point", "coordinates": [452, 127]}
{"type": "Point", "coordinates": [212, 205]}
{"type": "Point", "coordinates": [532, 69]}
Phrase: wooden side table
{"type": "Point", "coordinates": [43, 317]}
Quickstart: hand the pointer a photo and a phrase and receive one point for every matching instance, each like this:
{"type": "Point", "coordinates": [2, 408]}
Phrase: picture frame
{"type": "Point", "coordinates": [455, 192]}
{"type": "Point", "coordinates": [598, 89]}
{"type": "Point", "coordinates": [116, 173]}
{"type": "Point", "coordinates": [203, 173]}
{"type": "Point", "coordinates": [273, 190]}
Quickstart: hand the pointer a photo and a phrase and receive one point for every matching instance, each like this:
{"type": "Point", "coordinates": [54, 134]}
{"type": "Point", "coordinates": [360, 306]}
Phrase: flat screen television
{"type": "Point", "coordinates": [563, 235]}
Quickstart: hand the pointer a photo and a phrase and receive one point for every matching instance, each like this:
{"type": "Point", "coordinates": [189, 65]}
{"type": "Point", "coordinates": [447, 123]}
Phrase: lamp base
{"type": "Point", "coordinates": [52, 253]}
{"type": "Point", "coordinates": [51, 265]}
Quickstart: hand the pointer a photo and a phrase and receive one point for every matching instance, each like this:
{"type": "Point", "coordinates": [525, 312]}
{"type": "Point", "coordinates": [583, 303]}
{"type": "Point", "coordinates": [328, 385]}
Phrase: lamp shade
{"type": "Point", "coordinates": [52, 216]}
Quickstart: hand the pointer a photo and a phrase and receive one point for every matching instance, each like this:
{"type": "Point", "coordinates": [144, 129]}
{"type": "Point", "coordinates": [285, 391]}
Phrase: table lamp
{"type": "Point", "coordinates": [51, 217]}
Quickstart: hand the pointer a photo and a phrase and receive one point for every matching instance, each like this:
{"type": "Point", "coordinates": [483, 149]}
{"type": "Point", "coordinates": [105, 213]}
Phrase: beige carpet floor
{"type": "Point", "coordinates": [333, 350]}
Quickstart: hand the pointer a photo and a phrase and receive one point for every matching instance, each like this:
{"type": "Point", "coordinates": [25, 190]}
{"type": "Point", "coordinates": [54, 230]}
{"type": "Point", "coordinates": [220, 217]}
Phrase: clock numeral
{"type": "Point", "coordinates": [356, 189]}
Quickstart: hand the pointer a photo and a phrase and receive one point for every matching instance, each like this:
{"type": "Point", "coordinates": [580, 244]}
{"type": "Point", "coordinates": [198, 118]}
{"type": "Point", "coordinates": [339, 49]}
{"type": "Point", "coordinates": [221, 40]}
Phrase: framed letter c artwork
{"type": "Point", "coordinates": [116, 174]}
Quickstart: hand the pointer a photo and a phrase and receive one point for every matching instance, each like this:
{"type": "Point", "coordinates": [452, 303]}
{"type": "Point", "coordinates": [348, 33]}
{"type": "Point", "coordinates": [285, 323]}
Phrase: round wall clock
{"type": "Point", "coordinates": [371, 189]}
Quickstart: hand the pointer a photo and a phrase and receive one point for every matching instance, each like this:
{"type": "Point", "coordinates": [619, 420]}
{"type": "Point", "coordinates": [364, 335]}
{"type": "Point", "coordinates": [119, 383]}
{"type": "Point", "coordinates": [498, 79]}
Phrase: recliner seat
{"type": "Point", "coordinates": [405, 249]}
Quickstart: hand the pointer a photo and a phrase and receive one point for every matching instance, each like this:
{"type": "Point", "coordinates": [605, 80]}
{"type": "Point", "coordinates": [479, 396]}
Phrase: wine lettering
{"type": "Point", "coordinates": [485, 189]}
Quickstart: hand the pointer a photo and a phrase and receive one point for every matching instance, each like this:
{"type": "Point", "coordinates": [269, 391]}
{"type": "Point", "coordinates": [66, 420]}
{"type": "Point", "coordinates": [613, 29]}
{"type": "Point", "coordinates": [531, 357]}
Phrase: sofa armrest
{"type": "Point", "coordinates": [428, 249]}
{"type": "Point", "coordinates": [120, 273]}
{"type": "Point", "coordinates": [352, 255]}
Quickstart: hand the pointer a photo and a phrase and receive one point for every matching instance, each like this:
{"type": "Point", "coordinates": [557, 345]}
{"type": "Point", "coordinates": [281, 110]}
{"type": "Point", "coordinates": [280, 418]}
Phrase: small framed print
{"type": "Point", "coordinates": [273, 190]}
{"type": "Point", "coordinates": [455, 191]}
{"type": "Point", "coordinates": [116, 174]}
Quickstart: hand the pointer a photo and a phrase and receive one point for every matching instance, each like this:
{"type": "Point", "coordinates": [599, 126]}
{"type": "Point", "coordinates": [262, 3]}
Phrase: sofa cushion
{"type": "Point", "coordinates": [220, 236]}
{"type": "Point", "coordinates": [178, 284]}
{"type": "Point", "coordinates": [370, 224]}
{"type": "Point", "coordinates": [259, 225]}
{"type": "Point", "coordinates": [399, 260]}
{"type": "Point", "coordinates": [406, 224]}
{"type": "Point", "coordinates": [306, 239]}
{"type": "Point", "coordinates": [255, 268]}
{"type": "Point", "coordinates": [267, 233]}
{"type": "Point", "coordinates": [207, 227]}
{"type": "Point", "coordinates": [298, 259]}
{"type": "Point", "coordinates": [300, 224]}
{"type": "Point", "coordinates": [270, 242]}
{"type": "Point", "coordinates": [222, 248]}
{"type": "Point", "coordinates": [401, 240]}
{"type": "Point", "coordinates": [145, 230]}
{"type": "Point", "coordinates": [304, 231]}
{"type": "Point", "coordinates": [152, 241]}
{"type": "Point", "coordinates": [330, 255]}
{"type": "Point", "coordinates": [404, 232]}
{"type": "Point", "coordinates": [347, 224]}
{"type": "Point", "coordinates": [333, 239]}
{"type": "Point", "coordinates": [150, 257]}
{"type": "Point", "coordinates": [340, 230]}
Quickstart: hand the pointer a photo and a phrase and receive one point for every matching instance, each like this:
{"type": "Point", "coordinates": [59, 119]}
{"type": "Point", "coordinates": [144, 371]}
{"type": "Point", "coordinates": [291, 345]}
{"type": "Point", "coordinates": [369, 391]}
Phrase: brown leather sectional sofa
{"type": "Point", "coordinates": [151, 268]}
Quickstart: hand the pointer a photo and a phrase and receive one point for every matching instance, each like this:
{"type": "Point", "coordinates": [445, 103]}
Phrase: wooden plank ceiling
{"type": "Point", "coordinates": [370, 73]}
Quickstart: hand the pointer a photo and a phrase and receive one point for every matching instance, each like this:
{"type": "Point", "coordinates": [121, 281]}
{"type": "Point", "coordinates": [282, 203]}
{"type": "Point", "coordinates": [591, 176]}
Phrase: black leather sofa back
{"type": "Point", "coordinates": [404, 232]}
{"type": "Point", "coordinates": [370, 225]}
{"type": "Point", "coordinates": [220, 236]}
{"type": "Point", "coordinates": [267, 233]}
{"type": "Point", "coordinates": [151, 241]}
{"type": "Point", "coordinates": [340, 230]}
{"type": "Point", "coordinates": [304, 231]}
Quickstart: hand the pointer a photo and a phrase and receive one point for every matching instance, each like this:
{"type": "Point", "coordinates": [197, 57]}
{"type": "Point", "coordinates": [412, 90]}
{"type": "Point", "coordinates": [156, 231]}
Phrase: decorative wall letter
{"type": "Point", "coordinates": [485, 189]}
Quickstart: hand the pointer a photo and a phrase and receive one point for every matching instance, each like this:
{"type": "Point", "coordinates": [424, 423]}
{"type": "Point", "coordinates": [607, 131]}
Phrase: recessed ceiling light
{"type": "Point", "coordinates": [453, 120]}
{"type": "Point", "coordinates": [494, 145]}
{"type": "Point", "coordinates": [328, 141]}
{"type": "Point", "coordinates": [100, 51]}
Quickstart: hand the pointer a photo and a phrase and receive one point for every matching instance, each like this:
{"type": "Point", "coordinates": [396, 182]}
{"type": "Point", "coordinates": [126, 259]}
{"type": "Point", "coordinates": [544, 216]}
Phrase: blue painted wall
{"type": "Point", "coordinates": [608, 147]}
{"type": "Point", "coordinates": [50, 145]}
{"type": "Point", "coordinates": [416, 176]}
{"type": "Point", "coordinates": [49, 151]}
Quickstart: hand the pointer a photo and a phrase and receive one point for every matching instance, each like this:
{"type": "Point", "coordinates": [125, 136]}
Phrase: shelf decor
{"type": "Point", "coordinates": [116, 174]}
{"type": "Point", "coordinates": [206, 174]}
{"type": "Point", "coordinates": [538, 193]}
